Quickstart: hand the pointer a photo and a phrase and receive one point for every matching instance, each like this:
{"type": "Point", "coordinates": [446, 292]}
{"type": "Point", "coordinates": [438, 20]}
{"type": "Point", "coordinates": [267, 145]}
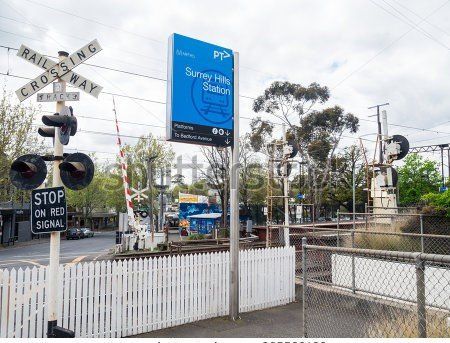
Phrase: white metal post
{"type": "Point", "coordinates": [354, 193]}
{"type": "Point", "coordinates": [234, 199]}
{"type": "Point", "coordinates": [53, 267]}
{"type": "Point", "coordinates": [385, 124]}
{"type": "Point", "coordinates": [286, 190]}
{"type": "Point", "coordinates": [150, 196]}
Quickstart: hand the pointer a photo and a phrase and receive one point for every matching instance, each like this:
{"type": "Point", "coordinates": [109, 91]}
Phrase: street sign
{"type": "Point", "coordinates": [59, 96]}
{"type": "Point", "coordinates": [62, 69]}
{"type": "Point", "coordinates": [48, 210]}
{"type": "Point", "coordinates": [298, 211]}
{"type": "Point", "coordinates": [199, 92]}
{"type": "Point", "coordinates": [300, 196]}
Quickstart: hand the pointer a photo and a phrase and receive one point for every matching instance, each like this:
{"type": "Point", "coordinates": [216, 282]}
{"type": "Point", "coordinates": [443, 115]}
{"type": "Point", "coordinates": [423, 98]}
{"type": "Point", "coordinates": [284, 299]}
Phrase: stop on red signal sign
{"type": "Point", "coordinates": [48, 210]}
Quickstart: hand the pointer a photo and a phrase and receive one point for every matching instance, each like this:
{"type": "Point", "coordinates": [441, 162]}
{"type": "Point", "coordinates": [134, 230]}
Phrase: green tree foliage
{"type": "Point", "coordinates": [340, 189]}
{"type": "Point", "coordinates": [92, 198]}
{"type": "Point", "coordinates": [217, 175]}
{"type": "Point", "coordinates": [439, 203]}
{"type": "Point", "coordinates": [252, 174]}
{"type": "Point", "coordinates": [317, 132]}
{"type": "Point", "coordinates": [137, 157]}
{"type": "Point", "coordinates": [17, 137]}
{"type": "Point", "coordinates": [417, 177]}
{"type": "Point", "coordinates": [199, 187]}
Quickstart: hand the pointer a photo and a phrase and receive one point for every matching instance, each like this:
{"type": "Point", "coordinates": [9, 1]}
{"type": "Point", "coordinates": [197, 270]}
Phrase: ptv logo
{"type": "Point", "coordinates": [221, 54]}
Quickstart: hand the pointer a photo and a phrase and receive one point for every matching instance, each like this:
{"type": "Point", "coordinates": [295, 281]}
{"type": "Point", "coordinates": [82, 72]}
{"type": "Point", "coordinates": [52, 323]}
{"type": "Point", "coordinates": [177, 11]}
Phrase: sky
{"type": "Point", "coordinates": [367, 52]}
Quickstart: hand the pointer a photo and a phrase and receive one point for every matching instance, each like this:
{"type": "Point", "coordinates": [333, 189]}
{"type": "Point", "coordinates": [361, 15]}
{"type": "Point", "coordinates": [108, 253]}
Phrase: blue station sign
{"type": "Point", "coordinates": [200, 92]}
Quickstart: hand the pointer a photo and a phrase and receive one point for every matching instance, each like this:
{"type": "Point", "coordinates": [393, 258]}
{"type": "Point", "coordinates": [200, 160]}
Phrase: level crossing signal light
{"type": "Point", "coordinates": [77, 171]}
{"type": "Point", "coordinates": [66, 122]}
{"type": "Point", "coordinates": [28, 172]}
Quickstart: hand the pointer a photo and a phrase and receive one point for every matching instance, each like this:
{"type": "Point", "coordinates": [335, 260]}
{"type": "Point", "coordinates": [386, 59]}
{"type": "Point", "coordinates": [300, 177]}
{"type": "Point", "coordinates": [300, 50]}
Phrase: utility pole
{"type": "Point", "coordinates": [286, 189]}
{"type": "Point", "coordinates": [225, 197]}
{"type": "Point", "coordinates": [161, 202]}
{"type": "Point", "coordinates": [448, 162]}
{"type": "Point", "coordinates": [442, 166]}
{"type": "Point", "coordinates": [380, 140]}
{"type": "Point", "coordinates": [150, 194]}
{"type": "Point", "coordinates": [53, 267]}
{"type": "Point", "coordinates": [353, 189]}
{"type": "Point", "coordinates": [234, 199]}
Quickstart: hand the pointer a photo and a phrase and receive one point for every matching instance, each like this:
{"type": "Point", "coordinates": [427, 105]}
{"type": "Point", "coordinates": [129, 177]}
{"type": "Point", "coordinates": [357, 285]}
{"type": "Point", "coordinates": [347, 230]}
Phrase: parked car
{"type": "Point", "coordinates": [73, 233]}
{"type": "Point", "coordinates": [86, 232]}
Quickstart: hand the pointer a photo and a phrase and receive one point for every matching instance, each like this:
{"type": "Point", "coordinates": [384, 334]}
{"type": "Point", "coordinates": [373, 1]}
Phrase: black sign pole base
{"type": "Point", "coordinates": [50, 325]}
{"type": "Point", "coordinates": [54, 331]}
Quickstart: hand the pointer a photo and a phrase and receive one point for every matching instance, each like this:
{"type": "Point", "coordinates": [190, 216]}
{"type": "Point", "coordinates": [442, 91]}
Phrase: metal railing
{"type": "Point", "coordinates": [415, 233]}
{"type": "Point", "coordinates": [349, 292]}
{"type": "Point", "coordinates": [396, 222]}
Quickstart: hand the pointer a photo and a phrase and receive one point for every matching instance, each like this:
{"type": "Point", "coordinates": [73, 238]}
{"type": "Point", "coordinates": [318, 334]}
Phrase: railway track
{"type": "Point", "coordinates": [186, 250]}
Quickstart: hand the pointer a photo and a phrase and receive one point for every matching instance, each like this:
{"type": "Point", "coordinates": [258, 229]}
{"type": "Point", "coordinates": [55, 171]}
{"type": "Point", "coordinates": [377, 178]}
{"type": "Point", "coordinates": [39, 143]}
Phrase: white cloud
{"type": "Point", "coordinates": [301, 41]}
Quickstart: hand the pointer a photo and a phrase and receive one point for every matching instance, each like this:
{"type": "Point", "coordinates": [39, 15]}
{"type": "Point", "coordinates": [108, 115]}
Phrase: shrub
{"type": "Point", "coordinates": [404, 324]}
{"type": "Point", "coordinates": [196, 236]}
{"type": "Point", "coordinates": [386, 242]}
{"type": "Point", "coordinates": [224, 233]}
{"type": "Point", "coordinates": [438, 202]}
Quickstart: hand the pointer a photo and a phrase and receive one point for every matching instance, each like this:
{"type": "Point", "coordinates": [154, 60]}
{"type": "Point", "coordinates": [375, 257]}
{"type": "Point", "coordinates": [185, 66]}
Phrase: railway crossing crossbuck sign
{"type": "Point", "coordinates": [62, 69]}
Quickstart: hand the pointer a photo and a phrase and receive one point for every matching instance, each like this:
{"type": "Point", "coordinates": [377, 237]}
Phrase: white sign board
{"type": "Point", "coordinates": [62, 69]}
{"type": "Point", "coordinates": [299, 211]}
{"type": "Point", "coordinates": [69, 96]}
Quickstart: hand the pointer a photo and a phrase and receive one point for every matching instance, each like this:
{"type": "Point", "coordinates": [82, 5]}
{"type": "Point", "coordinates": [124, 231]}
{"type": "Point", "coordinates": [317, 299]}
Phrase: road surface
{"type": "Point", "coordinates": [72, 251]}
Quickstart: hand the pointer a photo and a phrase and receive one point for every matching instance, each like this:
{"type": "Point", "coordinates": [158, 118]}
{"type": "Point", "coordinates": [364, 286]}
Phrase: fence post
{"type": "Point", "coordinates": [422, 243]}
{"type": "Point", "coordinates": [421, 310]}
{"type": "Point", "coordinates": [305, 280]}
{"type": "Point", "coordinates": [338, 224]}
{"type": "Point", "coordinates": [353, 265]}
{"type": "Point", "coordinates": [337, 239]}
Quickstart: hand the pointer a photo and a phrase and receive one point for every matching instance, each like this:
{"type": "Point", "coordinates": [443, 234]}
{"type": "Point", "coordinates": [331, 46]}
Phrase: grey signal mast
{"type": "Point", "coordinates": [380, 140]}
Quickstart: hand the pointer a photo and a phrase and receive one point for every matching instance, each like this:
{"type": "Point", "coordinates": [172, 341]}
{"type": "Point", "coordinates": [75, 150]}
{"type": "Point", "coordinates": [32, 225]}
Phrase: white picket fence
{"type": "Point", "coordinates": [119, 299]}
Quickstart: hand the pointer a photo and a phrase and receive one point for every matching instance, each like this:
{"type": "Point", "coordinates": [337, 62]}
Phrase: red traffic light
{"type": "Point", "coordinates": [77, 171]}
{"type": "Point", "coordinates": [28, 172]}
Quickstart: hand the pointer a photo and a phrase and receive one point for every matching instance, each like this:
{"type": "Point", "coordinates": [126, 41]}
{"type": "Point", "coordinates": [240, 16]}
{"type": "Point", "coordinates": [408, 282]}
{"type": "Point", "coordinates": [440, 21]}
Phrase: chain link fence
{"type": "Point", "coordinates": [350, 292]}
{"type": "Point", "coordinates": [394, 222]}
{"type": "Point", "coordinates": [393, 232]}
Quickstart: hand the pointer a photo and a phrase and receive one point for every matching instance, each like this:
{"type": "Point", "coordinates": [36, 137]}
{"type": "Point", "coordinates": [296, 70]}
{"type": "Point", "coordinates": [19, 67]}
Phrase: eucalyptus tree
{"type": "Point", "coordinates": [316, 129]}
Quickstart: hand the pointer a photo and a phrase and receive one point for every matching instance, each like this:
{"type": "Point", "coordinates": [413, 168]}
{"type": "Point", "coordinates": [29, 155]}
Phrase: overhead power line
{"type": "Point", "coordinates": [103, 92]}
{"type": "Point", "coordinates": [405, 19]}
{"type": "Point", "coordinates": [96, 22]}
{"type": "Point", "coordinates": [374, 121]}
{"type": "Point", "coordinates": [99, 66]}
{"type": "Point", "coordinates": [45, 29]}
{"type": "Point", "coordinates": [420, 17]}
{"type": "Point", "coordinates": [386, 47]}
{"type": "Point", "coordinates": [243, 117]}
{"type": "Point", "coordinates": [119, 71]}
